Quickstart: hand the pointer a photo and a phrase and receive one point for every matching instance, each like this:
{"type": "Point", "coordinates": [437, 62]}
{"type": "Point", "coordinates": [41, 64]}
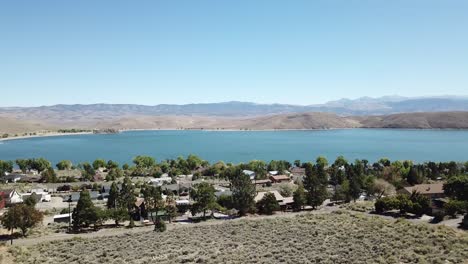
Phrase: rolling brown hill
{"type": "Point", "coordinates": [440, 120]}
{"type": "Point", "coordinates": [315, 120]}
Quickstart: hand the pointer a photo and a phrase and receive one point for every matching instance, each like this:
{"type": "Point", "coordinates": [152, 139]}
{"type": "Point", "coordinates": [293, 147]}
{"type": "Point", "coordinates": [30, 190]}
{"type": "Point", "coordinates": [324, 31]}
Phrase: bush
{"type": "Point", "coordinates": [416, 204]}
{"type": "Point", "coordinates": [159, 226]}
{"type": "Point", "coordinates": [268, 204]}
{"type": "Point", "coordinates": [454, 207]}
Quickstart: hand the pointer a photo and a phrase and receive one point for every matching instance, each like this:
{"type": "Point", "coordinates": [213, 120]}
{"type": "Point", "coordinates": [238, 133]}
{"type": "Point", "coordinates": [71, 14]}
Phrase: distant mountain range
{"type": "Point", "coordinates": [344, 107]}
{"type": "Point", "coordinates": [384, 112]}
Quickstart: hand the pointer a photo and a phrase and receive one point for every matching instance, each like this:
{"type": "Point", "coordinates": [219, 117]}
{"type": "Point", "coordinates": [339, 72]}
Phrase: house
{"type": "Point", "coordinates": [263, 183]}
{"type": "Point", "coordinates": [13, 177]}
{"type": "Point", "coordinates": [280, 179]}
{"type": "Point", "coordinates": [140, 209]}
{"type": "Point", "coordinates": [431, 191]}
{"type": "Point", "coordinates": [249, 173]}
{"type": "Point", "coordinates": [182, 202]}
{"type": "Point", "coordinates": [278, 196]}
{"type": "Point", "coordinates": [297, 171]}
{"type": "Point", "coordinates": [39, 195]}
{"type": "Point", "coordinates": [160, 181]}
{"type": "Point", "coordinates": [11, 197]}
{"type": "Point", "coordinates": [284, 202]}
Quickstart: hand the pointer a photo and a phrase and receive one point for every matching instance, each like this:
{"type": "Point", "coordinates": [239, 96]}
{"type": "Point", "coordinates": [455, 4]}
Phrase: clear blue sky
{"type": "Point", "coordinates": [300, 52]}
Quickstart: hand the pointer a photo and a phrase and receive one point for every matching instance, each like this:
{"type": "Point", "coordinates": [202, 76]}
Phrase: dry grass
{"type": "Point", "coordinates": [360, 206]}
{"type": "Point", "coordinates": [339, 237]}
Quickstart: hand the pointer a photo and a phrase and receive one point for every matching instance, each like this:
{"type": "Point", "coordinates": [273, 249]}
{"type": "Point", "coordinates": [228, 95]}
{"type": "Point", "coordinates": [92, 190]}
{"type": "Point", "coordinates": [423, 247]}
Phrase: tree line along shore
{"type": "Point", "coordinates": [148, 191]}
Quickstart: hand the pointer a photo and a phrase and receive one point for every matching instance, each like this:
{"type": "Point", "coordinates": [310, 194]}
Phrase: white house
{"type": "Point", "coordinates": [12, 197]}
{"type": "Point", "coordinates": [160, 181]}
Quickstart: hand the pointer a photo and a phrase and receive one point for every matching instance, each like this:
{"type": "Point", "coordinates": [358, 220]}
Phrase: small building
{"type": "Point", "coordinates": [249, 173]}
{"type": "Point", "coordinates": [12, 197]}
{"type": "Point", "coordinates": [431, 191]}
{"type": "Point", "coordinates": [280, 179]}
{"type": "Point", "coordinates": [160, 181]}
{"type": "Point", "coordinates": [297, 171]}
{"type": "Point", "coordinates": [62, 218]}
{"type": "Point", "coordinates": [13, 177]}
{"type": "Point", "coordinates": [278, 196]}
{"type": "Point", "coordinates": [263, 183]}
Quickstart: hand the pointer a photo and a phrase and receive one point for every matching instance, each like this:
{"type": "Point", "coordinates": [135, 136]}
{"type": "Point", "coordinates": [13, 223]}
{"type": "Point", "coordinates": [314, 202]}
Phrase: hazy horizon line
{"type": "Point", "coordinates": [446, 96]}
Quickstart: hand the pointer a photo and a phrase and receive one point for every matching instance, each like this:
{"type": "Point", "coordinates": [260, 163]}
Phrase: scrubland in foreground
{"type": "Point", "coordinates": [339, 237]}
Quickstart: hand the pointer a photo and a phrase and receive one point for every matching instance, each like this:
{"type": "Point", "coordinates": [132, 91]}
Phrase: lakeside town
{"type": "Point", "coordinates": [40, 200]}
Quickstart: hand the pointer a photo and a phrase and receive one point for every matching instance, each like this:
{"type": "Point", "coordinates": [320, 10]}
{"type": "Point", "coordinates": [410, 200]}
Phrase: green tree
{"type": "Point", "coordinates": [144, 162]}
{"type": "Point", "coordinates": [23, 164]}
{"type": "Point", "coordinates": [112, 165]}
{"type": "Point", "coordinates": [49, 176]}
{"type": "Point", "coordinates": [456, 187]}
{"type": "Point", "coordinates": [297, 163]}
{"type": "Point", "coordinates": [315, 183]}
{"type": "Point", "coordinates": [113, 196]}
{"type": "Point", "coordinates": [171, 208]}
{"type": "Point", "coordinates": [243, 191]}
{"type": "Point", "coordinates": [21, 217]}
{"type": "Point", "coordinates": [64, 165]}
{"type": "Point", "coordinates": [84, 213]}
{"type": "Point", "coordinates": [114, 174]}
{"type": "Point", "coordinates": [99, 163]}
{"type": "Point", "coordinates": [40, 164]}
{"type": "Point", "coordinates": [87, 171]}
{"type": "Point", "coordinates": [127, 196]}
{"type": "Point", "coordinates": [194, 162]}
{"type": "Point", "coordinates": [5, 166]}
{"type": "Point", "coordinates": [268, 204]}
{"type": "Point", "coordinates": [204, 196]}
{"type": "Point", "coordinates": [118, 215]}
{"type": "Point", "coordinates": [299, 197]}
{"type": "Point", "coordinates": [154, 204]}
{"type": "Point", "coordinates": [30, 201]}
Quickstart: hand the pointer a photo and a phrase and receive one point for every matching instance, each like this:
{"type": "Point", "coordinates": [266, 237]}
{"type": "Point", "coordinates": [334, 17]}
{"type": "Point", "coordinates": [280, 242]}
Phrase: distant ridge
{"type": "Point", "coordinates": [385, 112]}
{"type": "Point", "coordinates": [344, 107]}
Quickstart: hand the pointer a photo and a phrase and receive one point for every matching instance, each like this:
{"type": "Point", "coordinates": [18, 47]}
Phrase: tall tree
{"type": "Point", "coordinates": [113, 196]}
{"type": "Point", "coordinates": [243, 191]}
{"type": "Point", "coordinates": [315, 184]}
{"type": "Point", "coordinates": [204, 197]}
{"type": "Point", "coordinates": [154, 203]}
{"type": "Point", "coordinates": [299, 198]}
{"type": "Point", "coordinates": [84, 213]}
{"type": "Point", "coordinates": [127, 195]}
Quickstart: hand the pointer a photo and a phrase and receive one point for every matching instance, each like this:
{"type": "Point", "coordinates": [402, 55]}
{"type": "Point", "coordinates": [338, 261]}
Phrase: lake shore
{"type": "Point", "coordinates": [51, 134]}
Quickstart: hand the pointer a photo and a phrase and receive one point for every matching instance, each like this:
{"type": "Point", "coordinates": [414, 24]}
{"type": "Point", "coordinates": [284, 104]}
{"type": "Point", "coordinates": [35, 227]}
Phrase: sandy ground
{"type": "Point", "coordinates": [52, 134]}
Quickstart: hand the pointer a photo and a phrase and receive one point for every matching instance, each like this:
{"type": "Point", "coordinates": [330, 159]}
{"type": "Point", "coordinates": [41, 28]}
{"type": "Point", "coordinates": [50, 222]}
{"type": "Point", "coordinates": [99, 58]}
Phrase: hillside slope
{"type": "Point", "coordinates": [440, 120]}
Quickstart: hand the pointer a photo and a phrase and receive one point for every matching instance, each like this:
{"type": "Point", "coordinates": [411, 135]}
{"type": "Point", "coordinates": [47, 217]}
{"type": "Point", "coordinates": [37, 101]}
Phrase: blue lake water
{"type": "Point", "coordinates": [241, 146]}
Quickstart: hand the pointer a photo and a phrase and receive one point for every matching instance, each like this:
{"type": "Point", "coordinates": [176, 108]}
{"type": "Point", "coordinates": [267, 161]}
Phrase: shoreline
{"type": "Point", "coordinates": [58, 134]}
{"type": "Point", "coordinates": [53, 134]}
